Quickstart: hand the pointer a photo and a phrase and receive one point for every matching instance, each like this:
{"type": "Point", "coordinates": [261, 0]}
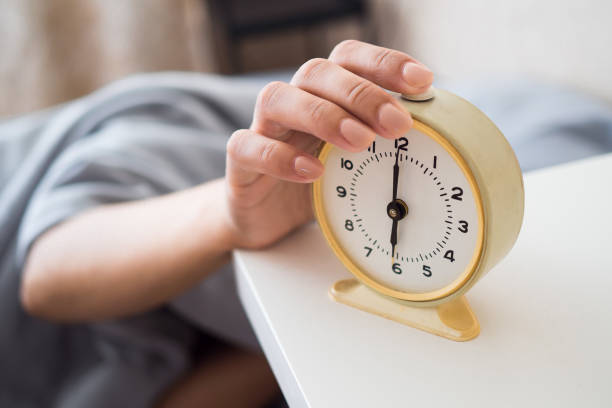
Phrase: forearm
{"type": "Point", "coordinates": [122, 259]}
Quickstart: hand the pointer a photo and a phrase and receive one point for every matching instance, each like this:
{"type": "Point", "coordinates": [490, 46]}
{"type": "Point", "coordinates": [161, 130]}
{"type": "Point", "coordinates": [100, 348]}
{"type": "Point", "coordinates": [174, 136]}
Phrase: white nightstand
{"type": "Point", "coordinates": [545, 314]}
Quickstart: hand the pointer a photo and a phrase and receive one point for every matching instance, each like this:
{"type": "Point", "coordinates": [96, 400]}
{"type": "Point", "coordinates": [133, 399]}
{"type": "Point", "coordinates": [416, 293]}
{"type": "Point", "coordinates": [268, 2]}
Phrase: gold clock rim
{"type": "Point", "coordinates": [426, 297]}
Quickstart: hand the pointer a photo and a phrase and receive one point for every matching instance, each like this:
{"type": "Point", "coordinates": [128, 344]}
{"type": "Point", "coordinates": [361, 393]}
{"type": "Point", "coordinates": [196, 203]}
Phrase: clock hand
{"type": "Point", "coordinates": [393, 238]}
{"type": "Point", "coordinates": [395, 175]}
{"type": "Point", "coordinates": [393, 214]}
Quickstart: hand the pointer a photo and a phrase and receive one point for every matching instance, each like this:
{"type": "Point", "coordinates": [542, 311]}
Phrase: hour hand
{"type": "Point", "coordinates": [393, 237]}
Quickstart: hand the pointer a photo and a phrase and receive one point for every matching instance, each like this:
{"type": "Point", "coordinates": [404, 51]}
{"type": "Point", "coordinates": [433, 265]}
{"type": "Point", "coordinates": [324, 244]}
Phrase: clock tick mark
{"type": "Point", "coordinates": [447, 221]}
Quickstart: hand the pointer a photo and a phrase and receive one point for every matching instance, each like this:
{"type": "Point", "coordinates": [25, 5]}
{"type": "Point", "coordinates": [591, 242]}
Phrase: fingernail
{"type": "Point", "coordinates": [417, 75]}
{"type": "Point", "coordinates": [307, 167]}
{"type": "Point", "coordinates": [356, 134]}
{"type": "Point", "coordinates": [393, 119]}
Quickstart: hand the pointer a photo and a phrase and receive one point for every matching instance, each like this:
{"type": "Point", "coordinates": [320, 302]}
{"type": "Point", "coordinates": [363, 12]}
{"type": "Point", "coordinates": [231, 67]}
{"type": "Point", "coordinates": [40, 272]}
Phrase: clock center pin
{"type": "Point", "coordinates": [397, 209]}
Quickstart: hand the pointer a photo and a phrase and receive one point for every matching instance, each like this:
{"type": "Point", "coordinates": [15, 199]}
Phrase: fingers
{"type": "Point", "coordinates": [367, 101]}
{"type": "Point", "coordinates": [282, 106]}
{"type": "Point", "coordinates": [388, 68]}
{"type": "Point", "coordinates": [251, 154]}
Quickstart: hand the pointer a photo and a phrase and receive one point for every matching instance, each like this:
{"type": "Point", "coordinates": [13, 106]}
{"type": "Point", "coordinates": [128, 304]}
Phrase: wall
{"type": "Point", "coordinates": [566, 41]}
{"type": "Point", "coordinates": [57, 50]}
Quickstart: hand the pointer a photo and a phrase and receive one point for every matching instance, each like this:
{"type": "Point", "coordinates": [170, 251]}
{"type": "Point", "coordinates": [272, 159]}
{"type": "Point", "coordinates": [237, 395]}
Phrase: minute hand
{"type": "Point", "coordinates": [395, 220]}
{"type": "Point", "coordinates": [395, 176]}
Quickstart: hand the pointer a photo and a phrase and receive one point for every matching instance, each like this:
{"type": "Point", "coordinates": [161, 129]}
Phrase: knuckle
{"type": "Point", "coordinates": [382, 57]}
{"type": "Point", "coordinates": [268, 96]}
{"type": "Point", "coordinates": [360, 92]}
{"type": "Point", "coordinates": [317, 110]}
{"type": "Point", "coordinates": [342, 47]}
{"type": "Point", "coordinates": [235, 142]}
{"type": "Point", "coordinates": [310, 69]}
{"type": "Point", "coordinates": [267, 154]}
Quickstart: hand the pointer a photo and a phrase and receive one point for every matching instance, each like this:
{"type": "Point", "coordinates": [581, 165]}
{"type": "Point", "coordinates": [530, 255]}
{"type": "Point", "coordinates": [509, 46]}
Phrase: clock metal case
{"type": "Point", "coordinates": [494, 168]}
{"type": "Point", "coordinates": [490, 165]}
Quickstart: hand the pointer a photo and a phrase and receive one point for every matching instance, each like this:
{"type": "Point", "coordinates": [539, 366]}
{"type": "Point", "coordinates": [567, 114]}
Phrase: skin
{"type": "Point", "coordinates": [122, 259]}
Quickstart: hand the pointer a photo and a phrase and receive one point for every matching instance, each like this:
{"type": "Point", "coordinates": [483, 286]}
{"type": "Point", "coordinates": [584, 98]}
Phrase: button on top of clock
{"type": "Point", "coordinates": [430, 93]}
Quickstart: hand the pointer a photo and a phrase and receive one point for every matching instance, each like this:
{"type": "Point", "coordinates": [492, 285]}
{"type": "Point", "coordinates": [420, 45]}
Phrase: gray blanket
{"type": "Point", "coordinates": [151, 135]}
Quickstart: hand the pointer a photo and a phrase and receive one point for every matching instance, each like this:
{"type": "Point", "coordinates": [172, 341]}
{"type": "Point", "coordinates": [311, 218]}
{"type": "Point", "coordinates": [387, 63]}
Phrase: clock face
{"type": "Point", "coordinates": [404, 216]}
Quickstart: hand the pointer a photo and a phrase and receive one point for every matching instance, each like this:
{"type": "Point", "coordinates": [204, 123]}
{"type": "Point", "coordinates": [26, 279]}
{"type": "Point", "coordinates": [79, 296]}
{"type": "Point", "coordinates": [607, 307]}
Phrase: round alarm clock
{"type": "Point", "coordinates": [418, 220]}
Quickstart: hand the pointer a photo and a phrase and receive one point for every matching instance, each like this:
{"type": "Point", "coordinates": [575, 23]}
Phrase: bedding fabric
{"type": "Point", "coordinates": [151, 135]}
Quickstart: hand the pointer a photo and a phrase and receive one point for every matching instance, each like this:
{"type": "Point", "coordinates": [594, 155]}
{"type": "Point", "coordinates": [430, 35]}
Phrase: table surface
{"type": "Point", "coordinates": [545, 313]}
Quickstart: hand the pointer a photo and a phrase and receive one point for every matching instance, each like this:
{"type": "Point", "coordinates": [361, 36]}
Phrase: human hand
{"type": "Point", "coordinates": [339, 100]}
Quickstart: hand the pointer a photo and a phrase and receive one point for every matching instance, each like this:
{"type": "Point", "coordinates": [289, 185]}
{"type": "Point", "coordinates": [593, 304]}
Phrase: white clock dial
{"type": "Point", "coordinates": [438, 238]}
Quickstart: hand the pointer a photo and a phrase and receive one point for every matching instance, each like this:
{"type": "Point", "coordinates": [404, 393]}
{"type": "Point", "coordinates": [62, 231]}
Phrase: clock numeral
{"type": "Point", "coordinates": [426, 271]}
{"type": "Point", "coordinates": [450, 255]}
{"type": "Point", "coordinates": [341, 191]}
{"type": "Point", "coordinates": [401, 143]}
{"type": "Point", "coordinates": [369, 251]}
{"type": "Point", "coordinates": [346, 164]}
{"type": "Point", "coordinates": [458, 194]}
{"type": "Point", "coordinates": [349, 225]}
{"type": "Point", "coordinates": [463, 226]}
{"type": "Point", "coordinates": [396, 268]}
{"type": "Point", "coordinates": [435, 163]}
{"type": "Point", "coordinates": [372, 147]}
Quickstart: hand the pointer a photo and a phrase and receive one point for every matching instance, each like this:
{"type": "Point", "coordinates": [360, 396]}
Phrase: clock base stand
{"type": "Point", "coordinates": [453, 320]}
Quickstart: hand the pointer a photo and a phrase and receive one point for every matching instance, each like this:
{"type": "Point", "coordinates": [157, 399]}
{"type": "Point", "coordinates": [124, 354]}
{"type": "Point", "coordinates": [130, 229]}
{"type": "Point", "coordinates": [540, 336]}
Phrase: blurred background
{"type": "Point", "coordinates": [57, 50]}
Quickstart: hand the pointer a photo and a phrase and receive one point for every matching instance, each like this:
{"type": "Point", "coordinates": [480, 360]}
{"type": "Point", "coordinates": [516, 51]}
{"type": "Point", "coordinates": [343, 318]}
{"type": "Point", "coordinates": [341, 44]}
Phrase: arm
{"type": "Point", "coordinates": [123, 259]}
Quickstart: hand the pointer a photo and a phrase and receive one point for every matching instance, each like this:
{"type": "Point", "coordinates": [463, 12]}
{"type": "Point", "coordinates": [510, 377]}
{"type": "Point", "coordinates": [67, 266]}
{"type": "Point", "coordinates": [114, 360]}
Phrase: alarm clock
{"type": "Point", "coordinates": [420, 219]}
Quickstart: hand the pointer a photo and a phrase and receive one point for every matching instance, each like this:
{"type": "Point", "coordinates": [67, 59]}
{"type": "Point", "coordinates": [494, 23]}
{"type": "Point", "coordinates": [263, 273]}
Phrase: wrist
{"type": "Point", "coordinates": [213, 222]}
